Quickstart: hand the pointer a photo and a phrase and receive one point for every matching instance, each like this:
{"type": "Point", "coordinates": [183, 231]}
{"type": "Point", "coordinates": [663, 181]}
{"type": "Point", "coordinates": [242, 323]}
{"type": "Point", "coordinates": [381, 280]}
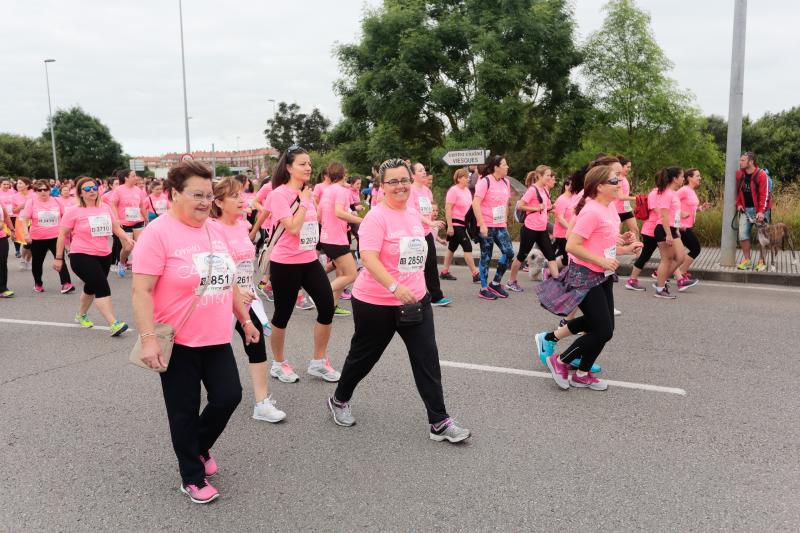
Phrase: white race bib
{"type": "Point", "coordinates": [160, 207]}
{"type": "Point", "coordinates": [100, 225]}
{"type": "Point", "coordinates": [133, 214]}
{"type": "Point", "coordinates": [499, 214]}
{"type": "Point", "coordinates": [413, 252]}
{"type": "Point", "coordinates": [244, 274]}
{"type": "Point", "coordinates": [677, 219]}
{"type": "Point", "coordinates": [222, 271]}
{"type": "Point", "coordinates": [48, 219]}
{"type": "Point", "coordinates": [610, 253]}
{"type": "Point", "coordinates": [626, 206]}
{"type": "Point", "coordinates": [309, 235]}
{"type": "Point", "coordinates": [425, 207]}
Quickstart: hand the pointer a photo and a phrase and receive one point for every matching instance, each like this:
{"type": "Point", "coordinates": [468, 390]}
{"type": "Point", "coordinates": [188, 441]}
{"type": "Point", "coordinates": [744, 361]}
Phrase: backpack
{"type": "Point", "coordinates": [520, 215]}
{"type": "Point", "coordinates": [642, 209]}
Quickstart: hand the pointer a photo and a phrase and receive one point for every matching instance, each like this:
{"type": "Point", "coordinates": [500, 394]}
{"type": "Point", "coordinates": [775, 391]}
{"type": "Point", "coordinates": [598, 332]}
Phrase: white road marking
{"type": "Point", "coordinates": [746, 286]}
{"type": "Point", "coordinates": [546, 375]}
{"type": "Point", "coordinates": [55, 324]}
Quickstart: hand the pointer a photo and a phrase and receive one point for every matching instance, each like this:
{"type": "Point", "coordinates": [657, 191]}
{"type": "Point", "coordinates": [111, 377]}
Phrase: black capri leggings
{"type": "Point", "coordinates": [39, 248]}
{"type": "Point", "coordinates": [560, 249]}
{"type": "Point", "coordinates": [459, 238]}
{"type": "Point", "coordinates": [691, 242]}
{"type": "Point", "coordinates": [287, 279]}
{"type": "Point", "coordinates": [93, 271]}
{"type": "Point", "coordinates": [597, 322]}
{"type": "Point", "coordinates": [529, 237]}
{"type": "Point", "coordinates": [650, 246]}
{"type": "Point", "coordinates": [256, 351]}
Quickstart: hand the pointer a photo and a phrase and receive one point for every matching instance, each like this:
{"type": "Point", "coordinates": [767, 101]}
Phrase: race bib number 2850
{"type": "Point", "coordinates": [413, 252]}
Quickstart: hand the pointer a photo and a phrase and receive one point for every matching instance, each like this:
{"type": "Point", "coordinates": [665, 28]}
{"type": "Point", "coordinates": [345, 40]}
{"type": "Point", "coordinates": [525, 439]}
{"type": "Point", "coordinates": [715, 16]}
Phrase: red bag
{"type": "Point", "coordinates": [642, 209]}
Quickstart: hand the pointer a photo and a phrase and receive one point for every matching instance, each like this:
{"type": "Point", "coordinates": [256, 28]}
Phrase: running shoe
{"type": "Point", "coordinates": [514, 286]}
{"type": "Point", "coordinates": [442, 302]}
{"type": "Point", "coordinates": [67, 288]}
{"type": "Point", "coordinates": [633, 285]}
{"type": "Point", "coordinates": [617, 312]}
{"type": "Point", "coordinates": [121, 269]}
{"type": "Point", "coordinates": [498, 290]}
{"type": "Point", "coordinates": [760, 266]}
{"type": "Point", "coordinates": [476, 277]}
{"type": "Point", "coordinates": [447, 275]}
{"type": "Point", "coordinates": [342, 412]}
{"type": "Point", "coordinates": [284, 372]}
{"type": "Point", "coordinates": [17, 254]}
{"type": "Point", "coordinates": [746, 264]}
{"type": "Point", "coordinates": [526, 267]}
{"type": "Point", "coordinates": [7, 294]}
{"type": "Point", "coordinates": [588, 381]}
{"type": "Point", "coordinates": [545, 347]}
{"type": "Point", "coordinates": [685, 283]}
{"type": "Point", "coordinates": [83, 320]}
{"type": "Point", "coordinates": [449, 430]}
{"type": "Point", "coordinates": [210, 467]}
{"type": "Point", "coordinates": [560, 372]}
{"type": "Point", "coordinates": [576, 363]}
{"type": "Point", "coordinates": [117, 328]}
{"type": "Point", "coordinates": [200, 494]}
{"type": "Point", "coordinates": [265, 410]}
{"type": "Point", "coordinates": [486, 294]}
{"type": "Point", "coordinates": [562, 322]}
{"type": "Point", "coordinates": [341, 311]}
{"type": "Point", "coordinates": [23, 265]}
{"type": "Point", "coordinates": [28, 264]}
{"type": "Point", "coordinates": [346, 295]}
{"type": "Point", "coordinates": [664, 293]}
{"type": "Point", "coordinates": [38, 288]}
{"type": "Point", "coordinates": [323, 369]}
{"type": "Point", "coordinates": [305, 302]}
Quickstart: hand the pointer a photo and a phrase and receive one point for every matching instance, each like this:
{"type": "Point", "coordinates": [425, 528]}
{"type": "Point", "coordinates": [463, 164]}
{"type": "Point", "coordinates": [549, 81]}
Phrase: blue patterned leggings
{"type": "Point", "coordinates": [503, 240]}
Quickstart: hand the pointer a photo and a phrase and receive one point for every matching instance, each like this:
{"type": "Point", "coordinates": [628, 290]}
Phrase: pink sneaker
{"type": "Point", "coordinates": [38, 288]}
{"type": "Point", "coordinates": [67, 288]}
{"type": "Point", "coordinates": [633, 285]}
{"type": "Point", "coordinates": [210, 465]}
{"type": "Point", "coordinates": [204, 494]}
{"type": "Point", "coordinates": [587, 381]}
{"type": "Point", "coordinates": [559, 370]}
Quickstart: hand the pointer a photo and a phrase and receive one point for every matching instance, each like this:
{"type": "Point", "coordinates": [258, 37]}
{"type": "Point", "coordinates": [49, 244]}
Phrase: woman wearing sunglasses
{"type": "Point", "coordinates": [87, 227]}
{"type": "Point", "coordinates": [43, 213]}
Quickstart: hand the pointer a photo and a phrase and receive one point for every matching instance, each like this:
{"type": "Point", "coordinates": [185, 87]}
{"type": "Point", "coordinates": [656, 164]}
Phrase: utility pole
{"type": "Point", "coordinates": [50, 107]}
{"type": "Point", "coordinates": [183, 69]}
{"type": "Point", "coordinates": [213, 163]}
{"type": "Point", "coordinates": [734, 146]}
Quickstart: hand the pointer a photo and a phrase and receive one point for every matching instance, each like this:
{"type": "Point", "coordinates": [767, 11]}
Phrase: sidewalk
{"type": "Point", "coordinates": [786, 272]}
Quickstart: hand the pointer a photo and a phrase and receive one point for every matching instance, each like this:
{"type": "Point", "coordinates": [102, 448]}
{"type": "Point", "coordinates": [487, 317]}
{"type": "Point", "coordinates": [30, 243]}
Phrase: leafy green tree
{"type": "Point", "coordinates": [289, 126]}
{"type": "Point", "coordinates": [25, 156]}
{"type": "Point", "coordinates": [223, 170]}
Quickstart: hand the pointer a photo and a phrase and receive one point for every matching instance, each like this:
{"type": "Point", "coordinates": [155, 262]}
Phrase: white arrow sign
{"type": "Point", "coordinates": [458, 158]}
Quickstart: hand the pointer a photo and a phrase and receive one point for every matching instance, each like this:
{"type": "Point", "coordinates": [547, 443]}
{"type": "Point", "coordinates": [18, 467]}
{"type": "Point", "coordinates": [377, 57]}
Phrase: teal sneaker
{"type": "Point", "coordinates": [546, 348]}
{"type": "Point", "coordinates": [117, 328]}
{"type": "Point", "coordinates": [596, 369]}
{"type": "Point", "coordinates": [83, 320]}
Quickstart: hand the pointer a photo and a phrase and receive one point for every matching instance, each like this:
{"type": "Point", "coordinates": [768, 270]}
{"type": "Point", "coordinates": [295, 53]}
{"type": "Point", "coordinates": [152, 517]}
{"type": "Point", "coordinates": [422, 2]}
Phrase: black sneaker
{"type": "Point", "coordinates": [498, 290]}
{"type": "Point", "coordinates": [476, 278]}
{"type": "Point", "coordinates": [447, 275]}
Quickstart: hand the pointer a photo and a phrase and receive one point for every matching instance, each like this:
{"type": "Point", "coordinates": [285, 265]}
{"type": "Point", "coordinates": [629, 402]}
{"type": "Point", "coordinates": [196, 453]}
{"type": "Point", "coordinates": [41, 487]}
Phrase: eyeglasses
{"type": "Point", "coordinates": [42, 190]}
{"type": "Point", "coordinates": [199, 196]}
{"type": "Point", "coordinates": [89, 188]}
{"type": "Point", "coordinates": [395, 183]}
{"type": "Point", "coordinates": [612, 181]}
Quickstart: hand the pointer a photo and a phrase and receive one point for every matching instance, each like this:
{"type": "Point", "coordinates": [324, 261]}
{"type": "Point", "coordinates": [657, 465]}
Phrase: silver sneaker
{"type": "Point", "coordinates": [342, 415]}
{"type": "Point", "coordinates": [265, 410]}
{"type": "Point", "coordinates": [324, 371]}
{"type": "Point", "coordinates": [451, 432]}
{"type": "Point", "coordinates": [284, 372]}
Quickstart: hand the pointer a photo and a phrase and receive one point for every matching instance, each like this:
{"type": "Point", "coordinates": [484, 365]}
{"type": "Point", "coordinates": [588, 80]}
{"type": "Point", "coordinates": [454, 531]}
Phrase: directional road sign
{"type": "Point", "coordinates": [459, 158]}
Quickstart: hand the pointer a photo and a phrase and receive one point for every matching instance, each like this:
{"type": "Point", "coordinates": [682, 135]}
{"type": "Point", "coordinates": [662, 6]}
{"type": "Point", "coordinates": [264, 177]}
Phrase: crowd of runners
{"type": "Point", "coordinates": [204, 251]}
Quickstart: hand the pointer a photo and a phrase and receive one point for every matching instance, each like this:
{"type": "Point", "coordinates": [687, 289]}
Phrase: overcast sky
{"type": "Point", "coordinates": [120, 61]}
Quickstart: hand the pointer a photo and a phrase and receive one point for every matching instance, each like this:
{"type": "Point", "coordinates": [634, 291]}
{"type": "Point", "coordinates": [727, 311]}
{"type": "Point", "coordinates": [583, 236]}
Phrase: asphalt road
{"type": "Point", "coordinates": [85, 444]}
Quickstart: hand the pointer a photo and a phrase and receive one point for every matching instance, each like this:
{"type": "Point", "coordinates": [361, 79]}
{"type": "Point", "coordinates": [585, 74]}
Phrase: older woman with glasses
{"type": "Point", "coordinates": [44, 213]}
{"type": "Point", "coordinates": [184, 276]}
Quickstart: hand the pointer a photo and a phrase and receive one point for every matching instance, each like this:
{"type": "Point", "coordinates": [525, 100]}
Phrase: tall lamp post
{"type": "Point", "coordinates": [183, 70]}
{"type": "Point", "coordinates": [50, 107]}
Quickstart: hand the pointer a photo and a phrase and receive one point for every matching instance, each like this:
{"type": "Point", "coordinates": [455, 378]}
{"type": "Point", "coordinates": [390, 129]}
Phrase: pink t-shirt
{"type": "Point", "coordinates": [242, 250]}
{"type": "Point", "coordinates": [44, 217]}
{"type": "Point", "coordinates": [130, 201]}
{"type": "Point", "coordinates": [249, 199]}
{"type": "Point", "coordinates": [261, 196]}
{"type": "Point", "coordinates": [624, 206]}
{"type": "Point", "coordinates": [158, 204]}
{"type": "Point", "coordinates": [377, 196]}
{"type": "Point", "coordinates": [494, 201]}
{"type": "Point", "coordinates": [689, 205]}
{"type": "Point", "coordinates": [599, 227]}
{"type": "Point", "coordinates": [3, 234]}
{"type": "Point", "coordinates": [91, 228]}
{"type": "Point", "coordinates": [108, 197]}
{"type": "Point", "coordinates": [19, 200]}
{"type": "Point", "coordinates": [561, 208]}
{"type": "Point", "coordinates": [666, 200]}
{"type": "Point", "coordinates": [319, 188]}
{"type": "Point", "coordinates": [461, 199]}
{"type": "Point", "coordinates": [180, 255]}
{"type": "Point", "coordinates": [355, 197]}
{"type": "Point", "coordinates": [399, 239]}
{"type": "Point", "coordinates": [7, 201]}
{"type": "Point", "coordinates": [421, 199]}
{"type": "Point", "coordinates": [334, 229]}
{"type": "Point", "coordinates": [293, 249]}
{"type": "Point", "coordinates": [536, 221]}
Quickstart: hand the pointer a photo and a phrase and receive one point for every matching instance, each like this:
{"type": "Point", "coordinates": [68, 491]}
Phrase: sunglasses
{"type": "Point", "coordinates": [89, 188]}
{"type": "Point", "coordinates": [294, 148]}
{"type": "Point", "coordinates": [42, 190]}
{"type": "Point", "coordinates": [612, 181]}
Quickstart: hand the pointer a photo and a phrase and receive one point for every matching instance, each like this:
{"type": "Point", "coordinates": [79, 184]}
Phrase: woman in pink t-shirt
{"type": "Point", "coordinates": [7, 193]}
{"type": "Point", "coordinates": [390, 297]}
{"type": "Point", "coordinates": [661, 230]}
{"type": "Point", "coordinates": [5, 222]}
{"type": "Point", "coordinates": [293, 264]}
{"type": "Point", "coordinates": [457, 203]}
{"type": "Point", "coordinates": [587, 283]}
{"type": "Point", "coordinates": [18, 202]}
{"type": "Point", "coordinates": [562, 216]}
{"type": "Point", "coordinates": [690, 205]}
{"type": "Point", "coordinates": [130, 205]}
{"type": "Point", "coordinates": [420, 198]}
{"type": "Point", "coordinates": [43, 213]}
{"type": "Point", "coordinates": [184, 276]}
{"type": "Point", "coordinates": [157, 201]}
{"type": "Point", "coordinates": [87, 228]}
{"type": "Point", "coordinates": [625, 202]}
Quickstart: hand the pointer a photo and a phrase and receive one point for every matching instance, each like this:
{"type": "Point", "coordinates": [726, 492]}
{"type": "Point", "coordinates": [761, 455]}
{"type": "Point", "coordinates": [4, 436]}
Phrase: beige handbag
{"type": "Point", "coordinates": [165, 334]}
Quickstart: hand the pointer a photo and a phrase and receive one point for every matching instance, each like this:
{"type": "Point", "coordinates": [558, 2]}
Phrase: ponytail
{"type": "Point", "coordinates": [580, 205]}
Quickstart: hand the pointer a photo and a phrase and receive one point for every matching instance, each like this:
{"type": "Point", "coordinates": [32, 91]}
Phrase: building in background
{"type": "Point", "coordinates": [237, 160]}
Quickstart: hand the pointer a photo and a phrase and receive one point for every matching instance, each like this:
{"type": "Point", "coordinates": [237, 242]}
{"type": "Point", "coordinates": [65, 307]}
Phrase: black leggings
{"type": "Point", "coordinates": [459, 238]}
{"type": "Point", "coordinates": [287, 279]}
{"type": "Point", "coordinates": [597, 323]}
{"type": "Point", "coordinates": [529, 237]}
{"type": "Point", "coordinates": [691, 242]}
{"type": "Point", "coordinates": [650, 246]}
{"type": "Point", "coordinates": [432, 270]}
{"type": "Point", "coordinates": [194, 433]}
{"type": "Point", "coordinates": [116, 248]}
{"type": "Point", "coordinates": [39, 250]}
{"type": "Point", "coordinates": [560, 249]}
{"type": "Point", "coordinates": [93, 271]}
{"type": "Point", "coordinates": [3, 264]}
{"type": "Point", "coordinates": [375, 327]}
{"type": "Point", "coordinates": [256, 351]}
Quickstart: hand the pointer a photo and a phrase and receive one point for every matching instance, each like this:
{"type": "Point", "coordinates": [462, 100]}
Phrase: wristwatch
{"type": "Point", "coordinates": [393, 287]}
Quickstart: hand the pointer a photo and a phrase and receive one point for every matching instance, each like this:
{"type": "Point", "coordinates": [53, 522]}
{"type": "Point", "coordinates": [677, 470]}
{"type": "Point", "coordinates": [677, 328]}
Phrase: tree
{"type": "Point", "coordinates": [289, 126]}
{"type": "Point", "coordinates": [24, 156]}
{"type": "Point", "coordinates": [223, 170]}
{"type": "Point", "coordinates": [84, 145]}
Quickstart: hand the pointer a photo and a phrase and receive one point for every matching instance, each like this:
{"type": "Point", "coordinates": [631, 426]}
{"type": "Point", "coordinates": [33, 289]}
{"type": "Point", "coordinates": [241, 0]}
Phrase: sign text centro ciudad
{"type": "Point", "coordinates": [458, 158]}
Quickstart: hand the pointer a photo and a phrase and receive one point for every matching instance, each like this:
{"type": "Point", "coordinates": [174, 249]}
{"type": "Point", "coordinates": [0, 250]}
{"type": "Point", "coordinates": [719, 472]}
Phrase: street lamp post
{"type": "Point", "coordinates": [274, 109]}
{"type": "Point", "coordinates": [183, 70]}
{"type": "Point", "coordinates": [50, 107]}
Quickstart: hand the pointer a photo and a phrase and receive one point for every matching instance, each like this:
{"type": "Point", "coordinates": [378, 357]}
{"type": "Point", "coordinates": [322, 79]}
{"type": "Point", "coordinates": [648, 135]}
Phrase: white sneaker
{"type": "Point", "coordinates": [617, 312]}
{"type": "Point", "coordinates": [23, 265]}
{"type": "Point", "coordinates": [266, 410]}
{"type": "Point", "coordinates": [284, 372]}
{"type": "Point", "coordinates": [323, 370]}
